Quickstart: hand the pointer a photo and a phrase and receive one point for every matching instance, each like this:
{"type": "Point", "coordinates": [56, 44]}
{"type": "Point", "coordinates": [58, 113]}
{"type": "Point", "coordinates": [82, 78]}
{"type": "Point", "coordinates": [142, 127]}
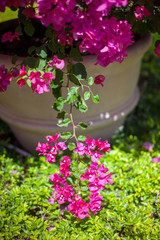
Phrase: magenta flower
{"type": "Point", "coordinates": [15, 72]}
{"type": "Point", "coordinates": [156, 159]}
{"type": "Point", "coordinates": [51, 200]}
{"type": "Point", "coordinates": [157, 51]}
{"type": "Point", "coordinates": [103, 146]}
{"type": "Point", "coordinates": [80, 149]}
{"type": "Point", "coordinates": [21, 82]}
{"type": "Point", "coordinates": [5, 78]}
{"type": "Point", "coordinates": [95, 203]}
{"type": "Point", "coordinates": [96, 156]}
{"type": "Point", "coordinates": [58, 63]}
{"type": "Point", "coordinates": [140, 12]}
{"type": "Point", "coordinates": [29, 12]}
{"type": "Point", "coordinates": [148, 146]}
{"type": "Point", "coordinates": [79, 207]}
{"type": "Point", "coordinates": [51, 139]}
{"type": "Point", "coordinates": [91, 143]}
{"type": "Point", "coordinates": [8, 36]}
{"type": "Point", "coordinates": [48, 76]}
{"type": "Point", "coordinates": [22, 72]}
{"type": "Point", "coordinates": [99, 80]}
{"type": "Point", "coordinates": [65, 166]}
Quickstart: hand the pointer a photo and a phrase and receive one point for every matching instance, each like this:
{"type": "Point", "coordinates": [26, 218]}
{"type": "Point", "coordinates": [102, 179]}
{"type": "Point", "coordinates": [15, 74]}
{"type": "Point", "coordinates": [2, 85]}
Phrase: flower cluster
{"type": "Point", "coordinates": [6, 77]}
{"type": "Point", "coordinates": [96, 175]}
{"type": "Point", "coordinates": [40, 83]}
{"type": "Point", "coordinates": [9, 36]}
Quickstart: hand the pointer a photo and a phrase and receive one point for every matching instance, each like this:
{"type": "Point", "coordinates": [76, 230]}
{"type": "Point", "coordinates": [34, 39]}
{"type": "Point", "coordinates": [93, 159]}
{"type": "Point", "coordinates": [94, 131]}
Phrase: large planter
{"type": "Point", "coordinates": [31, 117]}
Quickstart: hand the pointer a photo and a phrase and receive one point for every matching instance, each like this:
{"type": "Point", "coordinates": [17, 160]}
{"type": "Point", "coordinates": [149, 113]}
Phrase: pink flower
{"type": "Point", "coordinates": [148, 146]}
{"type": "Point", "coordinates": [59, 63]}
{"type": "Point", "coordinates": [5, 78]}
{"type": "Point", "coordinates": [29, 12]}
{"type": "Point", "coordinates": [22, 72]}
{"type": "Point", "coordinates": [21, 82]}
{"type": "Point", "coordinates": [51, 200]}
{"type": "Point", "coordinates": [8, 36]}
{"type": "Point", "coordinates": [39, 84]}
{"type": "Point", "coordinates": [156, 159]}
{"type": "Point", "coordinates": [14, 171]}
{"type": "Point", "coordinates": [15, 72]}
{"type": "Point", "coordinates": [103, 146]}
{"type": "Point", "coordinates": [157, 51]}
{"type": "Point", "coordinates": [91, 143]}
{"type": "Point", "coordinates": [140, 12]}
{"type": "Point", "coordinates": [55, 178]}
{"type": "Point", "coordinates": [64, 194]}
{"type": "Point", "coordinates": [64, 38]}
{"type": "Point", "coordinates": [80, 149]}
{"type": "Point", "coordinates": [43, 148]}
{"type": "Point", "coordinates": [99, 80]}
{"type": "Point", "coordinates": [51, 139]}
{"type": "Point", "coordinates": [79, 207]}
{"type": "Point", "coordinates": [64, 166]}
{"type": "Point", "coordinates": [89, 175]}
{"type": "Point", "coordinates": [95, 202]}
{"type": "Point", "coordinates": [96, 156]}
{"type": "Point", "coordinates": [48, 76]}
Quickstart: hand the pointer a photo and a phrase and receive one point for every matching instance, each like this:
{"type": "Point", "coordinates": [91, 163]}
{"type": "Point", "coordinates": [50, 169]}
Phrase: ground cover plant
{"type": "Point", "coordinates": [131, 206]}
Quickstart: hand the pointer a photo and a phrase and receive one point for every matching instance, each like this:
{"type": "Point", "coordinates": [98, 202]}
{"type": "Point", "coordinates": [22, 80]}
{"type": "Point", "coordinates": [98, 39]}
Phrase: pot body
{"type": "Point", "coordinates": [31, 117]}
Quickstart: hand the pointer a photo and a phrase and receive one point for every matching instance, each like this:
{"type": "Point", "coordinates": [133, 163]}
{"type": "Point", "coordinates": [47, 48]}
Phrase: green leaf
{"type": "Point", "coordinates": [69, 67]}
{"type": "Point", "coordinates": [95, 98]}
{"type": "Point", "coordinates": [61, 115]}
{"type": "Point", "coordinates": [57, 92]}
{"type": "Point", "coordinates": [73, 79]}
{"type": "Point", "coordinates": [59, 104]}
{"type": "Point", "coordinates": [49, 32]}
{"type": "Point", "coordinates": [81, 107]}
{"type": "Point", "coordinates": [81, 138]}
{"type": "Point", "coordinates": [58, 80]}
{"type": "Point", "coordinates": [29, 29]}
{"type": "Point", "coordinates": [14, 59]}
{"type": "Point", "coordinates": [52, 46]}
{"type": "Point", "coordinates": [71, 146]}
{"type": "Point", "coordinates": [31, 49]}
{"type": "Point", "coordinates": [66, 135]}
{"type": "Point", "coordinates": [90, 81]}
{"type": "Point", "coordinates": [29, 83]}
{"type": "Point", "coordinates": [82, 125]}
{"type": "Point", "coordinates": [32, 62]}
{"type": "Point", "coordinates": [42, 64]}
{"type": "Point", "coordinates": [76, 55]}
{"type": "Point", "coordinates": [64, 123]}
{"type": "Point", "coordinates": [41, 52]}
{"type": "Point", "coordinates": [79, 71]}
{"type": "Point", "coordinates": [72, 95]}
{"type": "Point", "coordinates": [87, 95]}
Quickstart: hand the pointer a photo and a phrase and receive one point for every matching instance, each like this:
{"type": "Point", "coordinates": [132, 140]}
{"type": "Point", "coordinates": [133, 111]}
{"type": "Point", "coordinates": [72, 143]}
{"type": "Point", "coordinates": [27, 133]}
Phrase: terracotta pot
{"type": "Point", "coordinates": [31, 117]}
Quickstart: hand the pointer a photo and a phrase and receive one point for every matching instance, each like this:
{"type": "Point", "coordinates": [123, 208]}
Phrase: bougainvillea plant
{"type": "Point", "coordinates": [69, 30]}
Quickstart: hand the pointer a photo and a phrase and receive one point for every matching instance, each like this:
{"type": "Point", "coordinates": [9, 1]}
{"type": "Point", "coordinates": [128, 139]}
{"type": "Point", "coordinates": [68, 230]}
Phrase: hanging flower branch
{"type": "Point", "coordinates": [74, 28]}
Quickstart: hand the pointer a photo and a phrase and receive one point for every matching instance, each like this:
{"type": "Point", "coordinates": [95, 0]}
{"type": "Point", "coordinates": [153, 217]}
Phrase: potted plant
{"type": "Point", "coordinates": [62, 38]}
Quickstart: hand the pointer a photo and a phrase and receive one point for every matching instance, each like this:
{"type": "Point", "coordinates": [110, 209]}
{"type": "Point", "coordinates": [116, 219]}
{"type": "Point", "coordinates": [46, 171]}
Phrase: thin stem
{"type": "Point", "coordinates": [74, 128]}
